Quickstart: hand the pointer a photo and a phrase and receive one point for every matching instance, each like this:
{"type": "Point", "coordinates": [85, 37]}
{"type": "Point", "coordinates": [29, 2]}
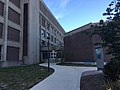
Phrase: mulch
{"type": "Point", "coordinates": [92, 82]}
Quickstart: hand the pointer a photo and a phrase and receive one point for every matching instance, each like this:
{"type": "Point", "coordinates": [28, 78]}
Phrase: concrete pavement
{"type": "Point", "coordinates": [64, 78]}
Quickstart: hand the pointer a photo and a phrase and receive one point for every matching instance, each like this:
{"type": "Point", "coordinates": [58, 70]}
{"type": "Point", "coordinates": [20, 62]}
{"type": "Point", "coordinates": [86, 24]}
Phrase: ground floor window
{"type": "Point", "coordinates": [59, 54]}
{"type": "Point", "coordinates": [45, 54]}
{"type": "Point", "coordinates": [53, 55]}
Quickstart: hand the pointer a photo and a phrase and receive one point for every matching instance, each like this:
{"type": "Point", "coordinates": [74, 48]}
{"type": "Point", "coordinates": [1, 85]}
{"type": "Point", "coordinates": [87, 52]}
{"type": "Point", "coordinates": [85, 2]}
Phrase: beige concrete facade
{"type": "Point", "coordinates": [21, 26]}
{"type": "Point", "coordinates": [8, 42]}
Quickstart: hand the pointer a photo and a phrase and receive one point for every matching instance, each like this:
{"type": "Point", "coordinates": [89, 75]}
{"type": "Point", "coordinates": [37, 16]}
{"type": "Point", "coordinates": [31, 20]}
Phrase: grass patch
{"type": "Point", "coordinates": [23, 77]}
{"type": "Point", "coordinates": [76, 64]}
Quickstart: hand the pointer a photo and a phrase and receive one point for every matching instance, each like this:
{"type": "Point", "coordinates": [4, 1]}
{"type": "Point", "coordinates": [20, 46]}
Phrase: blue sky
{"type": "Point", "coordinates": [72, 14]}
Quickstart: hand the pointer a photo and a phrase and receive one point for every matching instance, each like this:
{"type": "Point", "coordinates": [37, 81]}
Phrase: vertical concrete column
{"type": "Point", "coordinates": [5, 30]}
{"type": "Point", "coordinates": [40, 56]}
{"type": "Point", "coordinates": [33, 32]}
{"type": "Point", "coordinates": [21, 33]}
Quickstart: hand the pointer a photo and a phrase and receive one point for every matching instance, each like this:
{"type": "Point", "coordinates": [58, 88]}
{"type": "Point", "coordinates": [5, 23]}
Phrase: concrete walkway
{"type": "Point", "coordinates": [64, 78]}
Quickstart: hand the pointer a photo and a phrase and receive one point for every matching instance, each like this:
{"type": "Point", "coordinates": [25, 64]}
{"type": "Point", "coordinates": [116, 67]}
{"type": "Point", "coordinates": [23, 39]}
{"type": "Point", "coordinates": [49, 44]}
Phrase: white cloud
{"type": "Point", "coordinates": [59, 16]}
{"type": "Point", "coordinates": [64, 3]}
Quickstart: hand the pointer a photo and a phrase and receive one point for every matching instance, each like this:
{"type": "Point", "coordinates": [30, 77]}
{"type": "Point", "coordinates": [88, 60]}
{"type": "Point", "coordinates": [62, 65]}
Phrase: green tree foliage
{"type": "Point", "coordinates": [109, 31]}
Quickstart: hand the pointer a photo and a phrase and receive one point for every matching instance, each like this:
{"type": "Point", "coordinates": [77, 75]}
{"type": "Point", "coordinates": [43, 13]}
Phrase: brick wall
{"type": "Point", "coordinates": [78, 47]}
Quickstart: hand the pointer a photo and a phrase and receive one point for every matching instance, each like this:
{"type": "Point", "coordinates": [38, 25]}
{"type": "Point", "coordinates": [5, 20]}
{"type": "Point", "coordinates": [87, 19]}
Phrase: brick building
{"type": "Point", "coordinates": [79, 47]}
{"type": "Point", "coordinates": [24, 27]}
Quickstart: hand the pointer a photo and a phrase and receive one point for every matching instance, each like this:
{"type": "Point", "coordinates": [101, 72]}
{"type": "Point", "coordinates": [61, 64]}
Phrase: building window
{"type": "Point", "coordinates": [48, 26]}
{"type": "Point", "coordinates": [13, 16]}
{"type": "Point", "coordinates": [55, 40]}
{"type": "Point", "coordinates": [13, 34]}
{"type": "Point", "coordinates": [1, 29]}
{"type": "Point", "coordinates": [1, 8]}
{"type": "Point", "coordinates": [45, 55]}
{"type": "Point", "coordinates": [16, 2]}
{"type": "Point", "coordinates": [53, 55]}
{"type": "Point", "coordinates": [52, 38]}
{"type": "Point", "coordinates": [40, 5]}
{"type": "Point", "coordinates": [52, 30]}
{"type": "Point", "coordinates": [12, 53]}
{"type": "Point", "coordinates": [59, 54]}
{"type": "Point", "coordinates": [55, 32]}
{"type": "Point", "coordinates": [43, 33]}
{"type": "Point", "coordinates": [48, 35]}
{"type": "Point", "coordinates": [43, 22]}
{"type": "Point", "coordinates": [42, 43]}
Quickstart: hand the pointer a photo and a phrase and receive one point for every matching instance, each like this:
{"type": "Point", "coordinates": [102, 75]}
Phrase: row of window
{"type": "Point", "coordinates": [45, 43]}
{"type": "Point", "coordinates": [48, 14]}
{"type": "Point", "coordinates": [52, 38]}
{"type": "Point", "coordinates": [52, 55]}
{"type": "Point", "coordinates": [49, 27]}
{"type": "Point", "coordinates": [12, 14]}
{"type": "Point", "coordinates": [45, 34]}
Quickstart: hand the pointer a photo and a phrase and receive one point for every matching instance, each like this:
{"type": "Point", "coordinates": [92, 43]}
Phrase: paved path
{"type": "Point", "coordinates": [64, 78]}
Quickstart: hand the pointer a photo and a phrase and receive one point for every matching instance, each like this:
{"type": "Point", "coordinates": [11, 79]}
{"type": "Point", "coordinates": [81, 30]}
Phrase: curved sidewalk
{"type": "Point", "coordinates": [64, 78]}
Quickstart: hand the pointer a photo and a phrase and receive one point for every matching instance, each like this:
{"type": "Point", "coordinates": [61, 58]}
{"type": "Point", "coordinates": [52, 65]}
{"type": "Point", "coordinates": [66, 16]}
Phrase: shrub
{"type": "Point", "coordinates": [112, 86]}
{"type": "Point", "coordinates": [112, 70]}
{"type": "Point", "coordinates": [62, 60]}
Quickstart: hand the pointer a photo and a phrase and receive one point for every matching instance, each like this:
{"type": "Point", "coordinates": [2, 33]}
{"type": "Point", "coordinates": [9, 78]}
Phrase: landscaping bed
{"type": "Point", "coordinates": [92, 82]}
{"type": "Point", "coordinates": [76, 64]}
{"type": "Point", "coordinates": [22, 77]}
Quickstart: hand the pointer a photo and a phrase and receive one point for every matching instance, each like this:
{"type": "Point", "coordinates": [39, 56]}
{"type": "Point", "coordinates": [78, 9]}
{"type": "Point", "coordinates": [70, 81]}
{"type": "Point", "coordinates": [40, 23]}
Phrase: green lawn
{"type": "Point", "coordinates": [23, 77]}
{"type": "Point", "coordinates": [76, 64]}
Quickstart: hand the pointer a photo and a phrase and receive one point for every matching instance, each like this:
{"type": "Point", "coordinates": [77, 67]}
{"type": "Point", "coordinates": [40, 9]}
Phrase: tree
{"type": "Point", "coordinates": [109, 31]}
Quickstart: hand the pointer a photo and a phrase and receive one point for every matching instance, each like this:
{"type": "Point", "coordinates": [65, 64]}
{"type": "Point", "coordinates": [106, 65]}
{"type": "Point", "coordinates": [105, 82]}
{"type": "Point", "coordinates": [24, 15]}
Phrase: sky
{"type": "Point", "coordinates": [72, 14]}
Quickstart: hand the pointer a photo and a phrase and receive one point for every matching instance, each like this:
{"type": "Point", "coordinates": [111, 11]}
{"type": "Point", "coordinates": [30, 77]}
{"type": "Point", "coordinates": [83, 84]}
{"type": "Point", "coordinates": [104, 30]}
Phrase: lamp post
{"type": "Point", "coordinates": [48, 53]}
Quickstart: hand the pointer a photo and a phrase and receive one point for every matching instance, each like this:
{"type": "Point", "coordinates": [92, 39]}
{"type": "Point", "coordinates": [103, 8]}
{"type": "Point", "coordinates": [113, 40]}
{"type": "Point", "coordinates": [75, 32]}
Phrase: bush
{"type": "Point", "coordinates": [112, 86]}
{"type": "Point", "coordinates": [62, 60]}
{"type": "Point", "coordinates": [112, 70]}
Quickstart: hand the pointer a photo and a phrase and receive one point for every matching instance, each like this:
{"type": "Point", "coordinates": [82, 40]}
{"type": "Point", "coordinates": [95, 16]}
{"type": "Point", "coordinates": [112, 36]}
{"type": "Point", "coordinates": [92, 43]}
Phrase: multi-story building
{"type": "Point", "coordinates": [24, 28]}
{"type": "Point", "coordinates": [80, 47]}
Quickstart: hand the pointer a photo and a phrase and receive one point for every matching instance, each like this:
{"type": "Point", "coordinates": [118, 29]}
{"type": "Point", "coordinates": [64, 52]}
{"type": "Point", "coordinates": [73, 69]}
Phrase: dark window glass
{"type": "Point", "coordinates": [48, 26]}
{"type": "Point", "coordinates": [12, 53]}
{"type": "Point", "coordinates": [13, 34]}
{"type": "Point", "coordinates": [42, 43]}
{"type": "Point", "coordinates": [40, 5]}
{"type": "Point", "coordinates": [43, 22]}
{"type": "Point", "coordinates": [25, 30]}
{"type": "Point", "coordinates": [1, 29]}
{"type": "Point", "coordinates": [43, 34]}
{"type": "Point", "coordinates": [45, 55]}
{"type": "Point", "coordinates": [13, 16]}
{"type": "Point", "coordinates": [52, 38]}
{"type": "Point", "coordinates": [1, 8]}
{"type": "Point", "coordinates": [59, 55]}
{"type": "Point", "coordinates": [16, 2]}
